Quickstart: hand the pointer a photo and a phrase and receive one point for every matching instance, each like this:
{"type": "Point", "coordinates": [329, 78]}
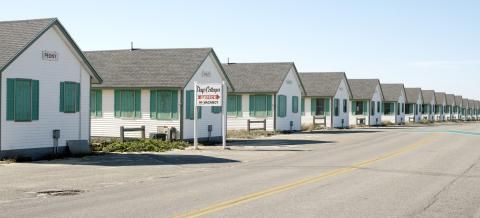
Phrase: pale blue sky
{"type": "Point", "coordinates": [427, 44]}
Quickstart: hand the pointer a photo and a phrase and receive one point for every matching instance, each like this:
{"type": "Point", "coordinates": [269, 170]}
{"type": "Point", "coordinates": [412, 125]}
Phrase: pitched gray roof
{"type": "Point", "coordinates": [259, 77]}
{"type": "Point", "coordinates": [471, 103]}
{"type": "Point", "coordinates": [392, 92]}
{"type": "Point", "coordinates": [458, 100]}
{"type": "Point", "coordinates": [428, 96]}
{"type": "Point", "coordinates": [412, 95]}
{"type": "Point", "coordinates": [171, 68]}
{"type": "Point", "coordinates": [465, 103]}
{"type": "Point", "coordinates": [363, 89]}
{"type": "Point", "coordinates": [477, 104]}
{"type": "Point", "coordinates": [450, 99]}
{"type": "Point", "coordinates": [17, 36]}
{"type": "Point", "coordinates": [440, 97]}
{"type": "Point", "coordinates": [322, 84]}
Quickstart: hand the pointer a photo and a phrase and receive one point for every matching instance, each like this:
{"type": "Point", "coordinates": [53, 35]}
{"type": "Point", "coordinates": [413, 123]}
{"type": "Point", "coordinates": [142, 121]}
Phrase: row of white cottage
{"type": "Point", "coordinates": [53, 94]}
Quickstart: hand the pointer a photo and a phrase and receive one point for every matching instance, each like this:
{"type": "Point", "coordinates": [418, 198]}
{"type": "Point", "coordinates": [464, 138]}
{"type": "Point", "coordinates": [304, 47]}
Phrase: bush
{"type": "Point", "coordinates": [147, 145]}
{"type": "Point", "coordinates": [243, 134]}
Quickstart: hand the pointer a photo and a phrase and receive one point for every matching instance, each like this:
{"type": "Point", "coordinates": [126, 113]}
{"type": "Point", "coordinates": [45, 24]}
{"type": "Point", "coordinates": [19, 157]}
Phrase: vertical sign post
{"type": "Point", "coordinates": [195, 138]}
{"type": "Point", "coordinates": [224, 116]}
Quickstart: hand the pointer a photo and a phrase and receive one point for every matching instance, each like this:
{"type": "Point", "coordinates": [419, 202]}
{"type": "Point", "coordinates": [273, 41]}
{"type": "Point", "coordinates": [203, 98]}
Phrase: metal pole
{"type": "Point", "coordinates": [224, 117]}
{"type": "Point", "coordinates": [195, 139]}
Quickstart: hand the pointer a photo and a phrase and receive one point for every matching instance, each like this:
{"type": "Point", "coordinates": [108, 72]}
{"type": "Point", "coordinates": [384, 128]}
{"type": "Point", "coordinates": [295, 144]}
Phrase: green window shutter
{"type": "Point", "coordinates": [294, 104]}
{"type": "Point", "coordinates": [138, 107]}
{"type": "Point", "coordinates": [231, 105]}
{"type": "Point", "coordinates": [98, 103]}
{"type": "Point", "coordinates": [92, 102]}
{"type": "Point", "coordinates": [313, 106]}
{"type": "Point", "coordinates": [302, 106]}
{"type": "Point", "coordinates": [153, 104]}
{"type": "Point", "coordinates": [282, 105]}
{"type": "Point", "coordinates": [251, 106]}
{"type": "Point", "coordinates": [269, 105]}
{"type": "Point", "coordinates": [199, 113]}
{"type": "Point", "coordinates": [118, 103]}
{"type": "Point", "coordinates": [10, 99]}
{"type": "Point", "coordinates": [260, 105]}
{"type": "Point", "coordinates": [23, 100]}
{"type": "Point", "coordinates": [62, 96]}
{"type": "Point", "coordinates": [175, 104]}
{"type": "Point", "coordinates": [354, 107]}
{"type": "Point", "coordinates": [239, 105]}
{"type": "Point", "coordinates": [327, 106]}
{"type": "Point", "coordinates": [336, 108]}
{"type": "Point", "coordinates": [78, 97]}
{"type": "Point", "coordinates": [189, 104]}
{"type": "Point", "coordinates": [35, 99]}
{"type": "Point", "coordinates": [365, 107]}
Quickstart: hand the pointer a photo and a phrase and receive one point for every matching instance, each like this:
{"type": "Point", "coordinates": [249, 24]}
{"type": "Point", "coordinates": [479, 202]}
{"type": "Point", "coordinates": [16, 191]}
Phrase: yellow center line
{"type": "Point", "coordinates": [306, 181]}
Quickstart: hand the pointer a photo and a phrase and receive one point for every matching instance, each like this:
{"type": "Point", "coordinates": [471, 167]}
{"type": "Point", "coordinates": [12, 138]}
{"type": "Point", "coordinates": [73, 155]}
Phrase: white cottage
{"type": "Point", "coordinates": [413, 109]}
{"type": "Point", "coordinates": [457, 110]}
{"type": "Point", "coordinates": [471, 109]}
{"type": "Point", "coordinates": [449, 115]}
{"type": "Point", "coordinates": [367, 98]}
{"type": "Point", "coordinates": [326, 101]}
{"type": "Point", "coordinates": [465, 108]}
{"type": "Point", "coordinates": [154, 88]}
{"type": "Point", "coordinates": [477, 110]}
{"type": "Point", "coordinates": [266, 95]}
{"type": "Point", "coordinates": [45, 89]}
{"type": "Point", "coordinates": [428, 112]}
{"type": "Point", "coordinates": [440, 104]}
{"type": "Point", "coordinates": [394, 103]}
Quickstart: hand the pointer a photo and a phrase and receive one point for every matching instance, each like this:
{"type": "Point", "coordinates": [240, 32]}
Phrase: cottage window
{"type": "Point", "coordinates": [389, 108]}
{"type": "Point", "coordinates": [320, 106]}
{"type": "Point", "coordinates": [260, 105]}
{"type": "Point", "coordinates": [69, 97]}
{"type": "Point", "coordinates": [127, 103]}
{"type": "Point", "coordinates": [234, 105]}
{"type": "Point", "coordinates": [282, 106]}
{"type": "Point", "coordinates": [164, 104]}
{"type": "Point", "coordinates": [22, 100]}
{"type": "Point", "coordinates": [96, 103]}
{"type": "Point", "coordinates": [359, 107]}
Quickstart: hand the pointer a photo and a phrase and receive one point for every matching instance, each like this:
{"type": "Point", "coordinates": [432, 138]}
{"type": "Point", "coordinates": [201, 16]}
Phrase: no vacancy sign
{"type": "Point", "coordinates": [208, 94]}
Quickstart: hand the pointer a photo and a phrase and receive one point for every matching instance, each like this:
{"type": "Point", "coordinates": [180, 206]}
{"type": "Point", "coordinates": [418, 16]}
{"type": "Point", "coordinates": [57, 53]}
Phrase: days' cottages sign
{"type": "Point", "coordinates": [208, 94]}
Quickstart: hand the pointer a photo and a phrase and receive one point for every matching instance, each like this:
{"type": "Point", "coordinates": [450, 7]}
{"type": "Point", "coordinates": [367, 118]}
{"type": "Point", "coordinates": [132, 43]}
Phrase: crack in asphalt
{"type": "Point", "coordinates": [435, 197]}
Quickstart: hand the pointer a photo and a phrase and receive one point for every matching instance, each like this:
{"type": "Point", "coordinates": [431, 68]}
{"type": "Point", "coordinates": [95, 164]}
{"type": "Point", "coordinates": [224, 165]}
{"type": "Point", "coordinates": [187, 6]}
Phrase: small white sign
{"type": "Point", "coordinates": [208, 94]}
{"type": "Point", "coordinates": [49, 56]}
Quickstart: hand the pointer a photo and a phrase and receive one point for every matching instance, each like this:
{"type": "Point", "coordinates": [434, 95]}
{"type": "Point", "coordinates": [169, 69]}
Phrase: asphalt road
{"type": "Point", "coordinates": [414, 172]}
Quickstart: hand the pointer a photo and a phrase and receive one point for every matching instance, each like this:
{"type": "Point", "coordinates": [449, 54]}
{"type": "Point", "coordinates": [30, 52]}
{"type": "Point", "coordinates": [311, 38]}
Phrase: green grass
{"type": "Point", "coordinates": [243, 134]}
{"type": "Point", "coordinates": [147, 145]}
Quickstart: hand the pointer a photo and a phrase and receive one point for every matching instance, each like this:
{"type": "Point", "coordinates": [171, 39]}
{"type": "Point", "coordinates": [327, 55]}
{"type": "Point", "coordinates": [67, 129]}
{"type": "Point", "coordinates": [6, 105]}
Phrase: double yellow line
{"type": "Point", "coordinates": [306, 181]}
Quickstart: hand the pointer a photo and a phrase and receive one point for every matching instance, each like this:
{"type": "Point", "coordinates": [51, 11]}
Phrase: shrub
{"type": "Point", "coordinates": [307, 127]}
{"type": "Point", "coordinates": [147, 145]}
{"type": "Point", "coordinates": [243, 134]}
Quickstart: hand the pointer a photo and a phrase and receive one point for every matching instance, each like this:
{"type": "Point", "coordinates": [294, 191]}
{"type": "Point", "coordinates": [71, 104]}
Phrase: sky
{"type": "Point", "coordinates": [421, 43]}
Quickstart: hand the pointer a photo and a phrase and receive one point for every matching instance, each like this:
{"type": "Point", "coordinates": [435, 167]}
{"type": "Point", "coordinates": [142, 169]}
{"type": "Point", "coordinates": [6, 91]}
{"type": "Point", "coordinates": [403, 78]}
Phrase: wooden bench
{"type": "Point", "coordinates": [123, 130]}
{"type": "Point", "coordinates": [250, 122]}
